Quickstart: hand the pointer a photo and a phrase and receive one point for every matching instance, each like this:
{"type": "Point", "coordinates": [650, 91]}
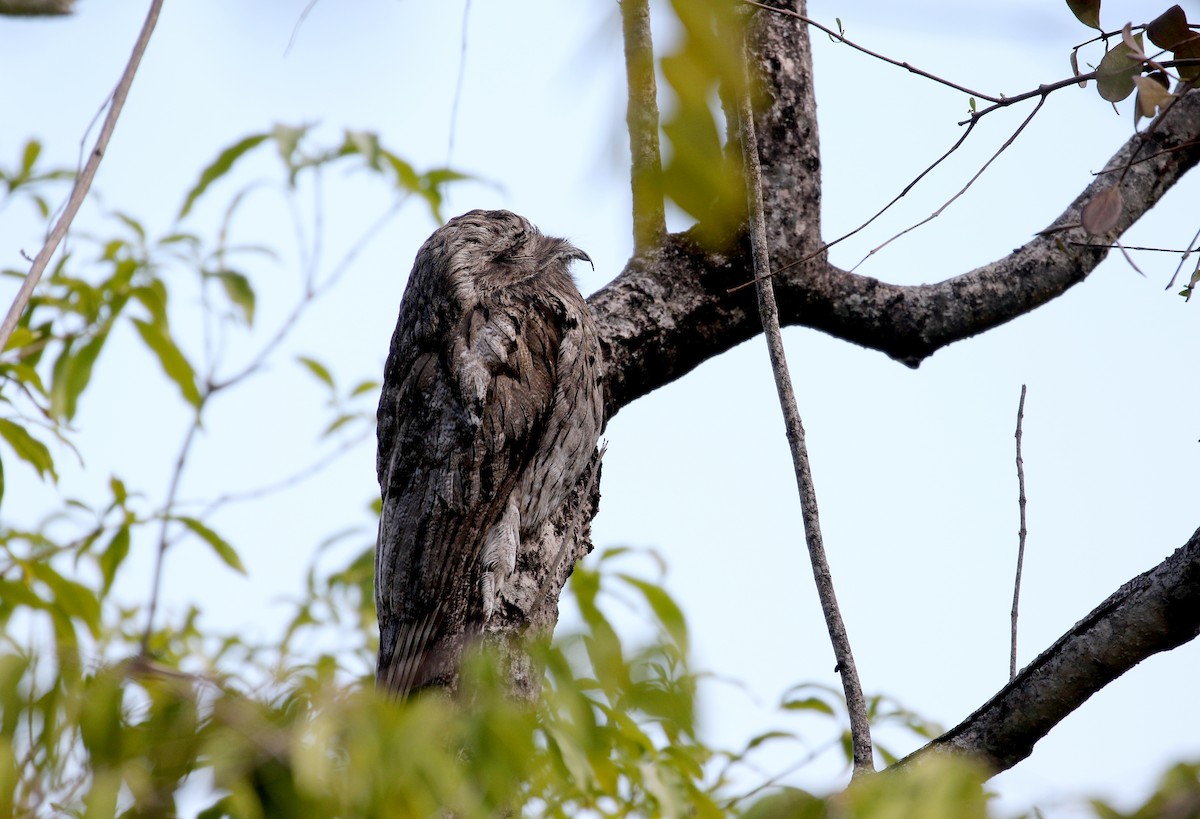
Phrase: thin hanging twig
{"type": "Point", "coordinates": [1012, 655]}
{"type": "Point", "coordinates": [641, 117]}
{"type": "Point", "coordinates": [83, 182]}
{"type": "Point", "coordinates": [856, 706]}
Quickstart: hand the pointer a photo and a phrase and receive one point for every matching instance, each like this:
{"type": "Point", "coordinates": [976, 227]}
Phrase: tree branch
{"type": "Point", "coordinates": [83, 182]}
{"type": "Point", "coordinates": [856, 704]}
{"type": "Point", "coordinates": [641, 117]}
{"type": "Point", "coordinates": [1155, 611]}
{"type": "Point", "coordinates": [668, 312]}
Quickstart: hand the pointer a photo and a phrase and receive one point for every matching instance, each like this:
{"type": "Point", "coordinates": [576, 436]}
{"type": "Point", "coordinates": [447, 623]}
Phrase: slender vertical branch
{"type": "Point", "coordinates": [83, 182]}
{"type": "Point", "coordinates": [860, 729]}
{"type": "Point", "coordinates": [168, 509]}
{"type": "Point", "coordinates": [1012, 655]}
{"type": "Point", "coordinates": [645, 177]}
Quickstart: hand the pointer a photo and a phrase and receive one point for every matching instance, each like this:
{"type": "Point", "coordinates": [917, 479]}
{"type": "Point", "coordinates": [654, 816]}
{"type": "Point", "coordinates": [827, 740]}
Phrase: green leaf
{"type": "Point", "coordinates": [219, 544]}
{"type": "Point", "coordinates": [317, 369]}
{"type": "Point", "coordinates": [74, 599]}
{"type": "Point", "coordinates": [1086, 11]}
{"type": "Point", "coordinates": [664, 607]}
{"type": "Point", "coordinates": [28, 448]}
{"type": "Point", "coordinates": [78, 372]}
{"type": "Point", "coordinates": [365, 143]}
{"type": "Point", "coordinates": [1, 481]}
{"type": "Point", "coordinates": [338, 423]}
{"type": "Point", "coordinates": [33, 149]}
{"type": "Point", "coordinates": [173, 362]}
{"type": "Point", "coordinates": [219, 167]}
{"type": "Point", "coordinates": [153, 297]}
{"type": "Point", "coordinates": [1114, 75]}
{"type": "Point", "coordinates": [808, 704]}
{"type": "Point", "coordinates": [239, 291]}
{"type": "Point", "coordinates": [364, 387]}
{"type": "Point", "coordinates": [113, 556]}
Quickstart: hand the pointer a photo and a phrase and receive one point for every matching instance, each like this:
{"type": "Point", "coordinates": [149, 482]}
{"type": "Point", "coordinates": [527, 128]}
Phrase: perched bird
{"type": "Point", "coordinates": [491, 409]}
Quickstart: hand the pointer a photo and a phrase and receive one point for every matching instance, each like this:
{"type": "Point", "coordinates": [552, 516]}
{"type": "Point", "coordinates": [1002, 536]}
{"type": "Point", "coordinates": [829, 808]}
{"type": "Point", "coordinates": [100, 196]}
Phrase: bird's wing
{"type": "Point", "coordinates": [460, 417]}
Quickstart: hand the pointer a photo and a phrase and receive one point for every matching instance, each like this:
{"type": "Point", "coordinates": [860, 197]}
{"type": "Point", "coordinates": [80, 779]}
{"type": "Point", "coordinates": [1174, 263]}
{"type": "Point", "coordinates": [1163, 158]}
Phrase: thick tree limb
{"type": "Point", "coordinates": [666, 313]}
{"type": "Point", "coordinates": [1155, 611]}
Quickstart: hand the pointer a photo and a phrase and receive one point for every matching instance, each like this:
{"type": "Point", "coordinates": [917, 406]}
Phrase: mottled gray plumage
{"type": "Point", "coordinates": [491, 409]}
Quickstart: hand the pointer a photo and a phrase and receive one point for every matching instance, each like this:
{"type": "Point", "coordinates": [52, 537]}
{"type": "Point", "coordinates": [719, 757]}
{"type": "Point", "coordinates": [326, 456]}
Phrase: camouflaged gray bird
{"type": "Point", "coordinates": [491, 408]}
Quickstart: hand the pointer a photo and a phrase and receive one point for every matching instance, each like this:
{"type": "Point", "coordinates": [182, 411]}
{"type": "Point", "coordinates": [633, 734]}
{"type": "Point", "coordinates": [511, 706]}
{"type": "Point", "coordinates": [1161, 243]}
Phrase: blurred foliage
{"type": "Point", "coordinates": [697, 175]}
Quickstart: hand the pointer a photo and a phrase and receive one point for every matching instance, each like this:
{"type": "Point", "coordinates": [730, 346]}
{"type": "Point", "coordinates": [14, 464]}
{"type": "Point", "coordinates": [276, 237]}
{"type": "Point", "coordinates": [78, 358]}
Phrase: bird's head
{"type": "Point", "coordinates": [498, 247]}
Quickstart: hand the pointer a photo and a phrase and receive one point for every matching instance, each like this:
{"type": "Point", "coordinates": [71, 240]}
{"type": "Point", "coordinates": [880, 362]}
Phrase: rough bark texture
{"type": "Point", "coordinates": [1155, 611]}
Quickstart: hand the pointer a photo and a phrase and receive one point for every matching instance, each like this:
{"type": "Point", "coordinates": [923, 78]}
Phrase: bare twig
{"type": "Point", "coordinates": [860, 729]}
{"type": "Point", "coordinates": [1012, 655]}
{"type": "Point", "coordinates": [1191, 248]}
{"type": "Point", "coordinates": [163, 541]}
{"type": "Point", "coordinates": [962, 190]}
{"type": "Point", "coordinates": [826, 246]}
{"type": "Point", "coordinates": [299, 22]}
{"type": "Point", "coordinates": [458, 83]}
{"type": "Point", "coordinates": [641, 116]}
{"type": "Point", "coordinates": [83, 182]}
{"type": "Point", "coordinates": [841, 38]}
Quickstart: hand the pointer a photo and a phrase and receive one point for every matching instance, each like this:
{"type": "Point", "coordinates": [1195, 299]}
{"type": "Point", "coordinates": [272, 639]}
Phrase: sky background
{"type": "Point", "coordinates": [914, 469]}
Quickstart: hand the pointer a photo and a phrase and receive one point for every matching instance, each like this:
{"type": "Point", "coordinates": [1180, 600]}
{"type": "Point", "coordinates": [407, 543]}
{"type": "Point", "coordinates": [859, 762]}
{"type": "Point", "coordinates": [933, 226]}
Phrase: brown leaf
{"type": "Point", "coordinates": [1151, 96]}
{"type": "Point", "coordinates": [1101, 214]}
{"type": "Point", "coordinates": [1189, 49]}
{"type": "Point", "coordinates": [1134, 45]}
{"type": "Point", "coordinates": [1086, 11]}
{"type": "Point", "coordinates": [1169, 29]}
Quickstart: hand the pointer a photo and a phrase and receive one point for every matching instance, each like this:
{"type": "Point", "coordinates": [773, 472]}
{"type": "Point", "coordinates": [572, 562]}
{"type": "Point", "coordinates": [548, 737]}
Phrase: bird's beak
{"type": "Point", "coordinates": [575, 253]}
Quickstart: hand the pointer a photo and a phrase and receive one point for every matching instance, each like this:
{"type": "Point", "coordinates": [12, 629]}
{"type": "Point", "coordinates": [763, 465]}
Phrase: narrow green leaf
{"type": "Point", "coordinates": [1, 481]}
{"type": "Point", "coordinates": [153, 297]}
{"type": "Point", "coordinates": [364, 387]}
{"type": "Point", "coordinates": [79, 372]}
{"type": "Point", "coordinates": [132, 224]}
{"type": "Point", "coordinates": [219, 167]}
{"type": "Point", "coordinates": [664, 607]}
{"type": "Point", "coordinates": [33, 149]}
{"type": "Point", "coordinates": [406, 177]}
{"type": "Point", "coordinates": [173, 362]}
{"type": "Point", "coordinates": [317, 369]}
{"type": "Point", "coordinates": [337, 423]}
{"type": "Point", "coordinates": [113, 556]}
{"type": "Point", "coordinates": [118, 489]}
{"type": "Point", "coordinates": [28, 448]}
{"type": "Point", "coordinates": [219, 544]}
{"type": "Point", "coordinates": [74, 599]}
{"type": "Point", "coordinates": [240, 292]}
{"type": "Point", "coordinates": [808, 704]}
{"type": "Point", "coordinates": [1086, 11]}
